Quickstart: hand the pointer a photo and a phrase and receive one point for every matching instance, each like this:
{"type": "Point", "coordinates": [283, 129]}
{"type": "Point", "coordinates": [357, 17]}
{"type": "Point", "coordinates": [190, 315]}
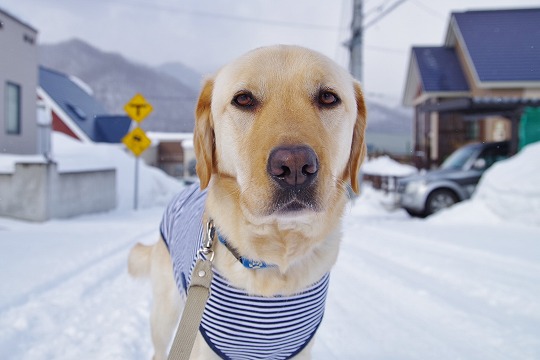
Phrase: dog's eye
{"type": "Point", "coordinates": [328, 98]}
{"type": "Point", "coordinates": [244, 100]}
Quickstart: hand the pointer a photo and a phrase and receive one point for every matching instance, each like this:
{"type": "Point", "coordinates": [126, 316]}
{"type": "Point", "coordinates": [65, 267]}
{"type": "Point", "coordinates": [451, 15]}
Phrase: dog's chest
{"type": "Point", "coordinates": [237, 325]}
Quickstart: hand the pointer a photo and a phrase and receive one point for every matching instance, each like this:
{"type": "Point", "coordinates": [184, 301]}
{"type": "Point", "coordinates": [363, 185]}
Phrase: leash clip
{"type": "Point", "coordinates": [208, 242]}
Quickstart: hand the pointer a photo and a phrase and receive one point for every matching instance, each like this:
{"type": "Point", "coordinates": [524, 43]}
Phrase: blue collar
{"type": "Point", "coordinates": [247, 263]}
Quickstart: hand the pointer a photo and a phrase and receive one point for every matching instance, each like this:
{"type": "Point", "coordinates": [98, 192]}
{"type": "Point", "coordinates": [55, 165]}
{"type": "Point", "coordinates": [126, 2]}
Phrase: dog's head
{"type": "Point", "coordinates": [285, 125]}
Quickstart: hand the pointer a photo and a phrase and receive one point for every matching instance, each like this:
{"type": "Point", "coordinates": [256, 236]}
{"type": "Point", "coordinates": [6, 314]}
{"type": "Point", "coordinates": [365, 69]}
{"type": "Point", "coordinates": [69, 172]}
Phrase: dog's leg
{"type": "Point", "coordinates": [167, 301]}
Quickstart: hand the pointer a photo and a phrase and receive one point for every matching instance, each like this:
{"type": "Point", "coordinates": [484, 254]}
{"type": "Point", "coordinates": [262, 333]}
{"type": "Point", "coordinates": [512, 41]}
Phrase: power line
{"type": "Point", "coordinates": [175, 9]}
{"type": "Point", "coordinates": [429, 10]}
{"type": "Point", "coordinates": [358, 26]}
{"type": "Point", "coordinates": [387, 49]}
{"type": "Point", "coordinates": [375, 9]}
{"type": "Point", "coordinates": [384, 13]}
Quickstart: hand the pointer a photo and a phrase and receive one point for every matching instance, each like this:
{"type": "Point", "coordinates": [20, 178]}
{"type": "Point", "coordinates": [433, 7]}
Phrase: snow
{"type": "Point", "coordinates": [82, 85]}
{"type": "Point", "coordinates": [508, 191]}
{"type": "Point", "coordinates": [155, 188]}
{"type": "Point", "coordinates": [161, 136]}
{"type": "Point", "coordinates": [386, 166]}
{"type": "Point", "coordinates": [8, 161]}
{"type": "Point", "coordinates": [462, 284]}
{"type": "Point", "coordinates": [511, 189]}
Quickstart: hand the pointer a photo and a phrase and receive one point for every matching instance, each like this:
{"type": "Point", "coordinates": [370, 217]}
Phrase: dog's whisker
{"type": "Point", "coordinates": [344, 187]}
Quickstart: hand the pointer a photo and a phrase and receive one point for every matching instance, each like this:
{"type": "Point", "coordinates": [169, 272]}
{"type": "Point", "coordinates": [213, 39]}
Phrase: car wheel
{"type": "Point", "coordinates": [440, 199]}
{"type": "Point", "coordinates": [415, 213]}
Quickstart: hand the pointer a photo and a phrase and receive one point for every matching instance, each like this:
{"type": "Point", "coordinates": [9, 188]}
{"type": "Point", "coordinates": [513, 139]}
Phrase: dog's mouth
{"type": "Point", "coordinates": [295, 201]}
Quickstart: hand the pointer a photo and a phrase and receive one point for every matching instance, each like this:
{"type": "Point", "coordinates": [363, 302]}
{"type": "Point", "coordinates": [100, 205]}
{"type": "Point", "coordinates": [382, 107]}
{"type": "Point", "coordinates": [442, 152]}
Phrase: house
{"type": "Point", "coordinates": [476, 86]}
{"type": "Point", "coordinates": [76, 112]}
{"type": "Point", "coordinates": [18, 82]}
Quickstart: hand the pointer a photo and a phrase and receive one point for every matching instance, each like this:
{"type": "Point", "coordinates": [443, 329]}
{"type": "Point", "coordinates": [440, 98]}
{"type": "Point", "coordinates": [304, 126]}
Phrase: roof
{"type": "Point", "coordinates": [82, 108]}
{"type": "Point", "coordinates": [14, 18]}
{"type": "Point", "coordinates": [482, 106]}
{"type": "Point", "coordinates": [440, 70]}
{"type": "Point", "coordinates": [503, 45]}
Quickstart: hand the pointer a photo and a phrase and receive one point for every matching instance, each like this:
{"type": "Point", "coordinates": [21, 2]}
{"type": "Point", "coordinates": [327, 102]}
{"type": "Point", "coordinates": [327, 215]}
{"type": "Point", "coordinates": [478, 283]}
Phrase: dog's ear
{"type": "Point", "coordinates": [358, 147]}
{"type": "Point", "coordinates": [203, 135]}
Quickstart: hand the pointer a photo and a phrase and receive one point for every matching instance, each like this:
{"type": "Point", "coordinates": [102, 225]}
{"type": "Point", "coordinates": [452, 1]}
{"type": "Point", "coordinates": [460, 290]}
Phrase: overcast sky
{"type": "Point", "coordinates": [205, 34]}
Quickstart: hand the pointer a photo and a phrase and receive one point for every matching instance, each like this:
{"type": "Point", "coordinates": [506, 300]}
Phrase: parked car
{"type": "Point", "coordinates": [426, 193]}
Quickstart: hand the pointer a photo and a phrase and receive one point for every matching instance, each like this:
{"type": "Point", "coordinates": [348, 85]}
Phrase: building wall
{"type": "Point", "coordinates": [95, 191]}
{"type": "Point", "coordinates": [24, 193]}
{"type": "Point", "coordinates": [19, 65]}
{"type": "Point", "coordinates": [38, 192]}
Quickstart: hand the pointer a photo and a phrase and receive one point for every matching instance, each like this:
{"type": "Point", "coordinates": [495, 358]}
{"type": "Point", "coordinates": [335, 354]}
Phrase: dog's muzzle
{"type": "Point", "coordinates": [294, 170]}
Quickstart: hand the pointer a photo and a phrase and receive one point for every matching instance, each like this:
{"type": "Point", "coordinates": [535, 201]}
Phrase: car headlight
{"type": "Point", "coordinates": [415, 186]}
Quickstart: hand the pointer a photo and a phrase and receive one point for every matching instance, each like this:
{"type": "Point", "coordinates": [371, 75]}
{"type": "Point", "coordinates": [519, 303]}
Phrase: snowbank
{"type": "Point", "coordinates": [155, 187]}
{"type": "Point", "coordinates": [8, 161]}
{"type": "Point", "coordinates": [511, 188]}
{"type": "Point", "coordinates": [385, 166]}
{"type": "Point", "coordinates": [508, 191]}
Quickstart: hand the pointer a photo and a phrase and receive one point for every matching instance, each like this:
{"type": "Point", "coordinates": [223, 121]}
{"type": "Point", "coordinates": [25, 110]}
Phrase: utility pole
{"type": "Point", "coordinates": [358, 26]}
{"type": "Point", "coordinates": [355, 44]}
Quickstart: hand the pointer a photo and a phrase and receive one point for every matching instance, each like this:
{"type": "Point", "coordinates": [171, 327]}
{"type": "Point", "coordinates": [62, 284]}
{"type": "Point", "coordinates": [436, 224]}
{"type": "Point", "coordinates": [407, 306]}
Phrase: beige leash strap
{"type": "Point", "coordinates": [198, 293]}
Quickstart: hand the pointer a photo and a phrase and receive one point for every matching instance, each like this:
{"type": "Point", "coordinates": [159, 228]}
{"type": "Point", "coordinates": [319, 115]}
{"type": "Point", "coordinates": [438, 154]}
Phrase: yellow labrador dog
{"type": "Point", "coordinates": [279, 139]}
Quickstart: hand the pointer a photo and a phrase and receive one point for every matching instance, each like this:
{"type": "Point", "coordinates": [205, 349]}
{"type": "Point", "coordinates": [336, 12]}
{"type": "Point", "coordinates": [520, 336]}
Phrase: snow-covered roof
{"type": "Point", "coordinates": [79, 110]}
{"type": "Point", "coordinates": [385, 166]}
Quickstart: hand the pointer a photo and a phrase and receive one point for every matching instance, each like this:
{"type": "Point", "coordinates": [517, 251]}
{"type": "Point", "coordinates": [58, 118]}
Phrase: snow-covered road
{"type": "Point", "coordinates": [463, 284]}
{"type": "Point", "coordinates": [402, 289]}
{"type": "Point", "coordinates": [408, 290]}
{"type": "Point", "coordinates": [66, 293]}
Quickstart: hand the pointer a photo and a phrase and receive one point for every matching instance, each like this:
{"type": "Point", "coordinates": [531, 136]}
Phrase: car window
{"type": "Point", "coordinates": [458, 158]}
{"type": "Point", "coordinates": [493, 154]}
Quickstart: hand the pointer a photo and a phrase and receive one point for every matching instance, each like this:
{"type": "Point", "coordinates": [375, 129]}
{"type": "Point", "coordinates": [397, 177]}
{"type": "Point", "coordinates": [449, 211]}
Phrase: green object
{"type": "Point", "coordinates": [529, 127]}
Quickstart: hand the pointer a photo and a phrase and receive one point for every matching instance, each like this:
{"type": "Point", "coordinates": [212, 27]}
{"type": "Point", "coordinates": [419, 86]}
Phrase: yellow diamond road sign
{"type": "Point", "coordinates": [137, 141]}
{"type": "Point", "coordinates": [138, 108]}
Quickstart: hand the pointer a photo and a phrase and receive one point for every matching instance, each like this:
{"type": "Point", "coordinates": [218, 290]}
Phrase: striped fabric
{"type": "Point", "coordinates": [236, 325]}
{"type": "Point", "coordinates": [239, 326]}
{"type": "Point", "coordinates": [182, 230]}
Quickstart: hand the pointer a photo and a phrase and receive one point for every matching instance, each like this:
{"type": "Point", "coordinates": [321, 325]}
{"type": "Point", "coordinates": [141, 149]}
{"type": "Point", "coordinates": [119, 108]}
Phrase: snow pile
{"type": "Point", "coordinates": [8, 161]}
{"type": "Point", "coordinates": [155, 187]}
{"type": "Point", "coordinates": [508, 191]}
{"type": "Point", "coordinates": [511, 188]}
{"type": "Point", "coordinates": [385, 166]}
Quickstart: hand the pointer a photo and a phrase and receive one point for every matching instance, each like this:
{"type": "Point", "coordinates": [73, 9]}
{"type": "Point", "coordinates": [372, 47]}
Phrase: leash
{"type": "Point", "coordinates": [198, 294]}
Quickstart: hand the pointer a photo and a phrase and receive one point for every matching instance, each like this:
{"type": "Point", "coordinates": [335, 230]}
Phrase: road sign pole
{"type": "Point", "coordinates": [136, 185]}
{"type": "Point", "coordinates": [136, 140]}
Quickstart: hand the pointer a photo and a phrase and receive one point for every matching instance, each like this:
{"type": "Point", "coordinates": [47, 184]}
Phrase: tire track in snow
{"type": "Point", "coordinates": [82, 315]}
{"type": "Point", "coordinates": [73, 273]}
{"type": "Point", "coordinates": [408, 287]}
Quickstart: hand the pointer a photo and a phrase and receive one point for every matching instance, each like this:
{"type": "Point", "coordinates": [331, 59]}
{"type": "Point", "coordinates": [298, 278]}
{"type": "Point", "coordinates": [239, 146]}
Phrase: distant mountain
{"type": "Point", "coordinates": [115, 80]}
{"type": "Point", "coordinates": [172, 89]}
{"type": "Point", "coordinates": [389, 128]}
{"type": "Point", "coordinates": [182, 73]}
{"type": "Point", "coordinates": [388, 119]}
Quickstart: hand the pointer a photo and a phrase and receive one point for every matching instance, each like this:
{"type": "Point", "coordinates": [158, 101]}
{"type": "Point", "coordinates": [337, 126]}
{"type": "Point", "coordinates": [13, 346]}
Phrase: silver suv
{"type": "Point", "coordinates": [425, 193]}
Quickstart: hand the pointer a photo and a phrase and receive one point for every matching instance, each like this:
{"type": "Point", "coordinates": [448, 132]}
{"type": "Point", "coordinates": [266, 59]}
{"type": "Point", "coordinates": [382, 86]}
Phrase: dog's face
{"type": "Point", "coordinates": [285, 126]}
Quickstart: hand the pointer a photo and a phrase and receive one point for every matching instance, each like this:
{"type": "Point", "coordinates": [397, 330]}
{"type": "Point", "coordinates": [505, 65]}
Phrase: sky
{"type": "Point", "coordinates": [207, 34]}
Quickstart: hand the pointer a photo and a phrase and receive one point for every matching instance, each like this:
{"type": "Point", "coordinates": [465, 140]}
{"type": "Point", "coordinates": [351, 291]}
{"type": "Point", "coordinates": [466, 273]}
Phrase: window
{"type": "Point", "coordinates": [13, 108]}
{"type": "Point", "coordinates": [493, 154]}
{"type": "Point", "coordinates": [472, 130]}
{"type": "Point", "coordinates": [29, 39]}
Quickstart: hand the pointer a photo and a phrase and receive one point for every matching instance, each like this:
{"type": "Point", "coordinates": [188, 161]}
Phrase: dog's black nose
{"type": "Point", "coordinates": [293, 166]}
